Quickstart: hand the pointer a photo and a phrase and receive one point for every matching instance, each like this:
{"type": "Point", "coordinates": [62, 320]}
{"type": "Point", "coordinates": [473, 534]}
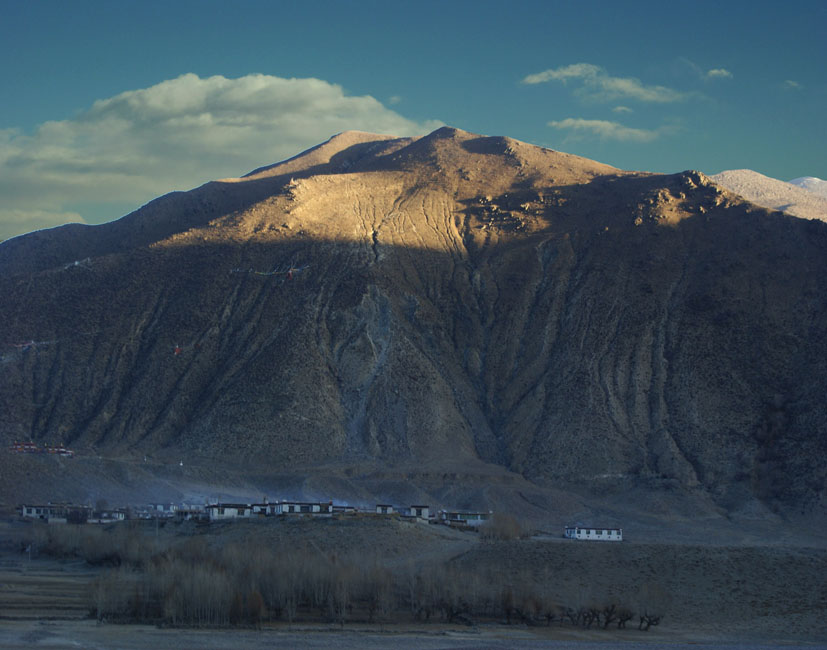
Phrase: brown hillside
{"type": "Point", "coordinates": [458, 301]}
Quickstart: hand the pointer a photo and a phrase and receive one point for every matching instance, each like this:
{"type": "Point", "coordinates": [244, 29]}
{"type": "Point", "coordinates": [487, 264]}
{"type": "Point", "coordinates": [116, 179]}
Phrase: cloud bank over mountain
{"type": "Point", "coordinates": [176, 134]}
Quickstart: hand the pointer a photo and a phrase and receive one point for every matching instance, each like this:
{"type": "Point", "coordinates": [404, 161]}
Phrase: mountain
{"type": "Point", "coordinates": [472, 320]}
{"type": "Point", "coordinates": [813, 184]}
{"type": "Point", "coordinates": [771, 193]}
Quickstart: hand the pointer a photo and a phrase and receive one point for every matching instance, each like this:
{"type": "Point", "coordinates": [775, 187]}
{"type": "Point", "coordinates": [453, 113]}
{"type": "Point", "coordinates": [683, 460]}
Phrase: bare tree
{"type": "Point", "coordinates": [648, 620]}
{"type": "Point", "coordinates": [609, 615]}
{"type": "Point", "coordinates": [653, 600]}
{"type": "Point", "coordinates": [378, 591]}
{"type": "Point", "coordinates": [341, 592]}
{"type": "Point", "coordinates": [574, 614]}
{"type": "Point", "coordinates": [109, 594]}
{"type": "Point", "coordinates": [624, 615]}
{"type": "Point", "coordinates": [502, 526]}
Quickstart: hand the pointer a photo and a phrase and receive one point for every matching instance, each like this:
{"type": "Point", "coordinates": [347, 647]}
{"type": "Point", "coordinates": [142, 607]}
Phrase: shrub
{"type": "Point", "coordinates": [502, 527]}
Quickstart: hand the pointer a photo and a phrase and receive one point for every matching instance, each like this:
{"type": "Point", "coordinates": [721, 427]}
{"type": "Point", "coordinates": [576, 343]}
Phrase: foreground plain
{"type": "Point", "coordinates": [73, 634]}
{"type": "Point", "coordinates": [712, 594]}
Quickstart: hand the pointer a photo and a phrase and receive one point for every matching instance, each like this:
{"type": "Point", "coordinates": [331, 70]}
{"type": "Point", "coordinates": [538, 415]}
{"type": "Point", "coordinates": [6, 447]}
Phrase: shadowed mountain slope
{"type": "Point", "coordinates": [447, 301]}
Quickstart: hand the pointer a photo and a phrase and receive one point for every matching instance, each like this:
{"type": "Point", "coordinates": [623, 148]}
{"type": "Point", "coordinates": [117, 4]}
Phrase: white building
{"type": "Point", "coordinates": [265, 509]}
{"type": "Point", "coordinates": [384, 509]}
{"type": "Point", "coordinates": [420, 512]}
{"type": "Point", "coordinates": [302, 508]}
{"type": "Point", "coordinates": [57, 513]}
{"type": "Point", "coordinates": [597, 534]}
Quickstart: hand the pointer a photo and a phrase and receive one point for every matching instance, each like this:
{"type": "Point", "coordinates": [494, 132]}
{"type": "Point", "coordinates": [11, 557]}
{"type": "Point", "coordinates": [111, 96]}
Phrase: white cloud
{"type": "Point", "coordinates": [596, 83]}
{"type": "Point", "coordinates": [684, 64]}
{"type": "Point", "coordinates": [177, 134]}
{"type": "Point", "coordinates": [789, 84]}
{"type": "Point", "coordinates": [622, 109]}
{"type": "Point", "coordinates": [564, 73]}
{"type": "Point", "coordinates": [718, 73]}
{"type": "Point", "coordinates": [606, 130]}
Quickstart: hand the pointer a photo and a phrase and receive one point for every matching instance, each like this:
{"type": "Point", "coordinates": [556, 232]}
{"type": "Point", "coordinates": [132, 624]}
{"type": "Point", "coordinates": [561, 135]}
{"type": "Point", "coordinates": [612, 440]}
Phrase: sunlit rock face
{"type": "Point", "coordinates": [451, 300]}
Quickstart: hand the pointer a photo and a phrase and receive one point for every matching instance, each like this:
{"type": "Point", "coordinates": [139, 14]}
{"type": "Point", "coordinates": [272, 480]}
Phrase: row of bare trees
{"type": "Point", "coordinates": [191, 583]}
{"type": "Point", "coordinates": [249, 585]}
{"type": "Point", "coordinates": [98, 545]}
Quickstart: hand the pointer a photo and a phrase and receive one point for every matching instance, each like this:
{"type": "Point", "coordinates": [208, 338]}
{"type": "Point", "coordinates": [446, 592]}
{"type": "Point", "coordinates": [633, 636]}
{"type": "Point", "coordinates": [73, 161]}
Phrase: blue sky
{"type": "Point", "coordinates": [109, 104]}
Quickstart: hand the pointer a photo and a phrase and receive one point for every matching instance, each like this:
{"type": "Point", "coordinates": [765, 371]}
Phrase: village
{"type": "Point", "coordinates": [61, 513]}
{"type": "Point", "coordinates": [58, 513]}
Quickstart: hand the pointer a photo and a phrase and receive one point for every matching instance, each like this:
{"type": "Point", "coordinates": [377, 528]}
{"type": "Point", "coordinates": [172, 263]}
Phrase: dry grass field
{"type": "Point", "coordinates": [706, 594]}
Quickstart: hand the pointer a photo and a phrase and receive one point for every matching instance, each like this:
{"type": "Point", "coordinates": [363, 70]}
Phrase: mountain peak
{"type": "Point", "coordinates": [448, 132]}
{"type": "Point", "coordinates": [798, 201]}
{"type": "Point", "coordinates": [811, 184]}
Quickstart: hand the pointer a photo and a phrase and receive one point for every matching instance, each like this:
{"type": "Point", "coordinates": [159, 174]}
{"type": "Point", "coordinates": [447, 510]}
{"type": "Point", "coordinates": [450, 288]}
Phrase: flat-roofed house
{"type": "Point", "coordinates": [463, 518]}
{"type": "Point", "coordinates": [420, 512]}
{"type": "Point", "coordinates": [304, 508]}
{"type": "Point", "coordinates": [596, 533]}
{"type": "Point", "coordinates": [57, 513]}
